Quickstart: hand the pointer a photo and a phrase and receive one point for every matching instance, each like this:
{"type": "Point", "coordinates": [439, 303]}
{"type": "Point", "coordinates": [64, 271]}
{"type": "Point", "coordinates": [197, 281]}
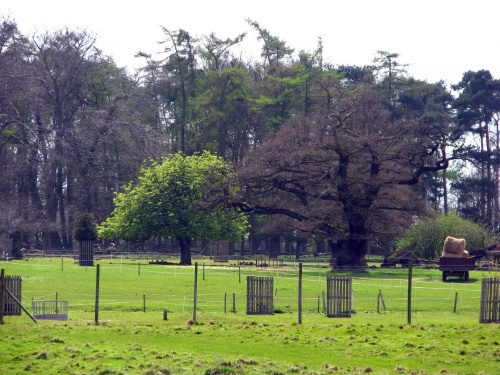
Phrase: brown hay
{"type": "Point", "coordinates": [454, 247]}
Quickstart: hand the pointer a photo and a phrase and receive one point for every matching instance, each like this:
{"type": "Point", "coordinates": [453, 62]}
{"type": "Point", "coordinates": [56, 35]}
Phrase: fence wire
{"type": "Point", "coordinates": [129, 286]}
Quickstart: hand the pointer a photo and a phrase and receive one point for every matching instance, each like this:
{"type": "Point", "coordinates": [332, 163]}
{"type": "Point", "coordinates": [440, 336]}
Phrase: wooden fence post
{"type": "Point", "coordinates": [324, 303]}
{"type": "Point", "coordinates": [2, 299]}
{"type": "Point", "coordinates": [410, 272]}
{"type": "Point", "coordinates": [455, 307]}
{"type": "Point", "coordinates": [195, 290]}
{"type": "Point", "coordinates": [300, 293]}
{"type": "Point", "coordinates": [97, 274]}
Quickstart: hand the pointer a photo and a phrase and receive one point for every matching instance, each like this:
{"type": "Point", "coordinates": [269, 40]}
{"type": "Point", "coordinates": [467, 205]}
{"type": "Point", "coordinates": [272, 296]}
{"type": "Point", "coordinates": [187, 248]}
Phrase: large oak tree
{"type": "Point", "coordinates": [346, 172]}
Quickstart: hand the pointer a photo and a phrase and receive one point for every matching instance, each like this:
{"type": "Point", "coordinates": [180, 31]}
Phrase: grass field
{"type": "Point", "coordinates": [131, 341]}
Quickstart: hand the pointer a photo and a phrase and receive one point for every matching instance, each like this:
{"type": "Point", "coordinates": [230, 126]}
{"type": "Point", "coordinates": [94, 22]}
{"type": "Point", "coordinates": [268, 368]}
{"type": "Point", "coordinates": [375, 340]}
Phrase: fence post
{"type": "Point", "coordinates": [410, 271]}
{"type": "Point", "coordinates": [239, 274]}
{"type": "Point", "coordinates": [144, 302]}
{"type": "Point", "coordinates": [2, 283]}
{"type": "Point", "coordinates": [455, 307]}
{"type": "Point", "coordinates": [195, 289]}
{"type": "Point", "coordinates": [300, 293]}
{"type": "Point", "coordinates": [324, 303]}
{"type": "Point", "coordinates": [203, 271]}
{"type": "Point", "coordinates": [234, 302]}
{"type": "Point", "coordinates": [382, 298]}
{"type": "Point", "coordinates": [97, 274]}
{"type": "Point", "coordinates": [225, 302]}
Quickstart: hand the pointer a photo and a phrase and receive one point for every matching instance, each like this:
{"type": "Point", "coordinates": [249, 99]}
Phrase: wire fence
{"type": "Point", "coordinates": [126, 286]}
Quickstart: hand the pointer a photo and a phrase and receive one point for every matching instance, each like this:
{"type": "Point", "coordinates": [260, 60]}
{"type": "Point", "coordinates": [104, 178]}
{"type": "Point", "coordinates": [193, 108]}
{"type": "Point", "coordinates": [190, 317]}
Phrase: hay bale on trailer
{"type": "Point", "coordinates": [454, 248]}
{"type": "Point", "coordinates": [455, 260]}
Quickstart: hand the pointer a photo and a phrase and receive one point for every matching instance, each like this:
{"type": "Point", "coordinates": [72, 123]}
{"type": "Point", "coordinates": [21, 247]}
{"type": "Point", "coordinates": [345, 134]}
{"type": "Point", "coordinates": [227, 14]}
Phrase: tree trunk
{"type": "Point", "coordinates": [489, 194]}
{"type": "Point", "coordinates": [242, 251]}
{"type": "Point", "coordinates": [320, 246]}
{"type": "Point", "coordinates": [445, 182]}
{"type": "Point", "coordinates": [230, 248]}
{"type": "Point", "coordinates": [184, 244]}
{"type": "Point", "coordinates": [349, 253]}
{"type": "Point", "coordinates": [274, 245]}
{"type": "Point", "coordinates": [497, 180]}
{"type": "Point", "coordinates": [297, 249]}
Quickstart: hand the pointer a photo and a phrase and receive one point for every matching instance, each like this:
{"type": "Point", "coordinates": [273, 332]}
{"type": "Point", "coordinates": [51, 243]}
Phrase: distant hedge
{"type": "Point", "coordinates": [429, 235]}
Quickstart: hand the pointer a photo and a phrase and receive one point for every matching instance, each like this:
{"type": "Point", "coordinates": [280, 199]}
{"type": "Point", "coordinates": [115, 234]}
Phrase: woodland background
{"type": "Point", "coordinates": [326, 153]}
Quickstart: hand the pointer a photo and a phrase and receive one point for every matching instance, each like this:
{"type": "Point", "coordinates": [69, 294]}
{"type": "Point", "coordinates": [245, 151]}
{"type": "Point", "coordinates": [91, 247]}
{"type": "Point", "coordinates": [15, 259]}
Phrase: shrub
{"type": "Point", "coordinates": [85, 228]}
{"type": "Point", "coordinates": [429, 235]}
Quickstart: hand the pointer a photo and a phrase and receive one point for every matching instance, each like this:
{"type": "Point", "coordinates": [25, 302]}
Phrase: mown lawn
{"type": "Point", "coordinates": [130, 341]}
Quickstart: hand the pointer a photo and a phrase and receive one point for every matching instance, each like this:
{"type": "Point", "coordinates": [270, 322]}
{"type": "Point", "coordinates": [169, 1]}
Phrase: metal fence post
{"type": "Point", "coordinates": [300, 293]}
{"type": "Point", "coordinates": [2, 282]}
{"type": "Point", "coordinates": [97, 275]}
{"type": "Point", "coordinates": [195, 289]}
{"type": "Point", "coordinates": [410, 272]}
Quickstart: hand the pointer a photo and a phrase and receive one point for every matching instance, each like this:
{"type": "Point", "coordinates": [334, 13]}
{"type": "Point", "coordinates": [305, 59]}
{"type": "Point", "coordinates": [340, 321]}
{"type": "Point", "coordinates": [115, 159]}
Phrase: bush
{"type": "Point", "coordinates": [85, 228]}
{"type": "Point", "coordinates": [429, 235]}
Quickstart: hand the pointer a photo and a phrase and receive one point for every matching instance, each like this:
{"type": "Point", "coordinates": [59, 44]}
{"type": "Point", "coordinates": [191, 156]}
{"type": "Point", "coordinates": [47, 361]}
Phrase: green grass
{"type": "Point", "coordinates": [130, 341]}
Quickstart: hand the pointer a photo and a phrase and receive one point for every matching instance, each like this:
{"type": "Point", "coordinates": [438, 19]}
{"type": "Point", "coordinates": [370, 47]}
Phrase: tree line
{"type": "Point", "coordinates": [323, 152]}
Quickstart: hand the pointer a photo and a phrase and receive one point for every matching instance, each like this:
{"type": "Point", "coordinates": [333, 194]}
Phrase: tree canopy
{"type": "Point", "coordinates": [325, 152]}
{"type": "Point", "coordinates": [182, 197]}
{"type": "Point", "coordinates": [346, 172]}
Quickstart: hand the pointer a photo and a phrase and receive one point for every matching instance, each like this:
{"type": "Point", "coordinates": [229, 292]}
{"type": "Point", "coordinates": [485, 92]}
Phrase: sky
{"type": "Point", "coordinates": [438, 39]}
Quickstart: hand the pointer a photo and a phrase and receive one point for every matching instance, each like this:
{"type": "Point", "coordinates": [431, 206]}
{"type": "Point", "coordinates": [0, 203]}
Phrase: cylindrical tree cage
{"type": "Point", "coordinates": [85, 232]}
{"type": "Point", "coordinates": [86, 253]}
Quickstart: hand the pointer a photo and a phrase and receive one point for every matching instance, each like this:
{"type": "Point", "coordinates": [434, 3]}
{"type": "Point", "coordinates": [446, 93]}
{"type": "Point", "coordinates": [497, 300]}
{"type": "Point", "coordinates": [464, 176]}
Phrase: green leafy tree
{"type": "Point", "coordinates": [183, 197]}
{"type": "Point", "coordinates": [429, 235]}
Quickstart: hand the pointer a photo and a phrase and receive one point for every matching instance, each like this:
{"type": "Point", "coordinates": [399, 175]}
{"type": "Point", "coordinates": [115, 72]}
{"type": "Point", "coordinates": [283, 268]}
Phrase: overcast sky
{"type": "Point", "coordinates": [440, 39]}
